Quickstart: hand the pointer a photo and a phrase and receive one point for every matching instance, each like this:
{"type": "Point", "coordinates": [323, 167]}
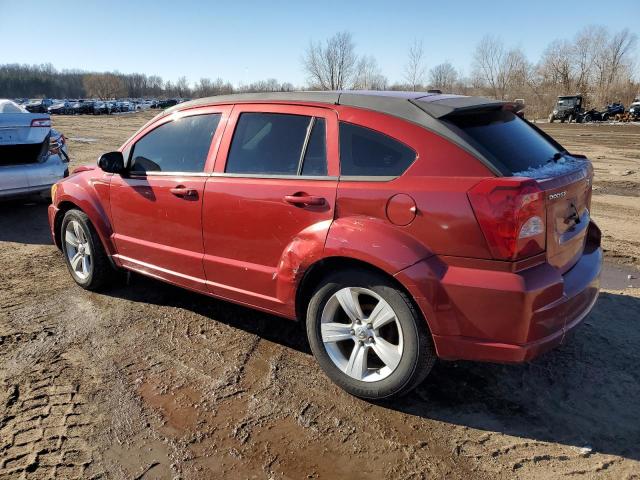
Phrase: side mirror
{"type": "Point", "coordinates": [112, 162]}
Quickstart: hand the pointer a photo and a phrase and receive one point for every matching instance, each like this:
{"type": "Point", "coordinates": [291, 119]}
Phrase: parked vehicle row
{"type": "Point", "coordinates": [93, 106]}
{"type": "Point", "coordinates": [398, 226]}
{"type": "Point", "coordinates": [570, 108]}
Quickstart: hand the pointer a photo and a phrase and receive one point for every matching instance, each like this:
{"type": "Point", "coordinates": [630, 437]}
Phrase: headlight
{"type": "Point", "coordinates": [54, 187]}
{"type": "Point", "coordinates": [555, 112]}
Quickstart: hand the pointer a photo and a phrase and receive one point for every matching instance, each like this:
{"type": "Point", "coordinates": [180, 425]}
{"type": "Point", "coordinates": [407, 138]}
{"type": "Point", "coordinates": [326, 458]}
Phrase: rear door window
{"type": "Point", "coordinates": [514, 144]}
{"type": "Point", "coordinates": [181, 145]}
{"type": "Point", "coordinates": [365, 152]}
{"type": "Point", "coordinates": [278, 144]}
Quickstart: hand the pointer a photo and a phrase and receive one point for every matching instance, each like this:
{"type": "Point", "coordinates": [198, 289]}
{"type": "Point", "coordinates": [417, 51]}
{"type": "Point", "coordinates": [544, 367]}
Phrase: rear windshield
{"type": "Point", "coordinates": [513, 144]}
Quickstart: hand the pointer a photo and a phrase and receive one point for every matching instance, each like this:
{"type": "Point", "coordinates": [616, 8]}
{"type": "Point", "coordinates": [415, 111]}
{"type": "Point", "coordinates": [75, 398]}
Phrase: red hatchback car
{"type": "Point", "coordinates": [401, 227]}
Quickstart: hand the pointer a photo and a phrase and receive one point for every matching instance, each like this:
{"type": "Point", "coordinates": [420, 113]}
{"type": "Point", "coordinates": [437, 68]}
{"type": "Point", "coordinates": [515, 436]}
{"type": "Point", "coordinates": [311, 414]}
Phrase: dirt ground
{"type": "Point", "coordinates": [150, 381]}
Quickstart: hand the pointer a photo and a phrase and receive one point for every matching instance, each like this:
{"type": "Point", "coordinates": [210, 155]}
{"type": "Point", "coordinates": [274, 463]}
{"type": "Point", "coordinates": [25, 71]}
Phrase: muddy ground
{"type": "Point", "coordinates": [150, 381]}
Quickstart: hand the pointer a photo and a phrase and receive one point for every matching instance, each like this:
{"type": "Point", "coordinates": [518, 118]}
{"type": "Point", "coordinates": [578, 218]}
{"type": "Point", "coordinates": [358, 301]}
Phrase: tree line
{"type": "Point", "coordinates": [40, 81]}
{"type": "Point", "coordinates": [597, 63]}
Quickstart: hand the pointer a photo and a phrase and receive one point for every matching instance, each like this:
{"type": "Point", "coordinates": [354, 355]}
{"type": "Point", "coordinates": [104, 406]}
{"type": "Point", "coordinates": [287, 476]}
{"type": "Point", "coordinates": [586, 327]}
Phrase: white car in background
{"type": "Point", "coordinates": [33, 156]}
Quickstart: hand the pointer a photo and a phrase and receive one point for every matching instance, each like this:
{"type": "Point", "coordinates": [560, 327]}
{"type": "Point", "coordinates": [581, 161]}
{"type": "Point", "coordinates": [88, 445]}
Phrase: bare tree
{"type": "Point", "coordinates": [368, 75]}
{"type": "Point", "coordinates": [497, 67]}
{"type": "Point", "coordinates": [583, 55]}
{"type": "Point", "coordinates": [555, 64]}
{"type": "Point", "coordinates": [414, 69]}
{"type": "Point", "coordinates": [443, 76]}
{"type": "Point", "coordinates": [611, 59]}
{"type": "Point", "coordinates": [182, 87]}
{"type": "Point", "coordinates": [155, 85]}
{"type": "Point", "coordinates": [104, 85]}
{"type": "Point", "coordinates": [332, 66]}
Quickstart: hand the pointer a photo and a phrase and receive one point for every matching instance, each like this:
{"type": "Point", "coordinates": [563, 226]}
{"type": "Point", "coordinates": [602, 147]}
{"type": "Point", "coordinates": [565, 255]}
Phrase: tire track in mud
{"type": "Point", "coordinates": [44, 425]}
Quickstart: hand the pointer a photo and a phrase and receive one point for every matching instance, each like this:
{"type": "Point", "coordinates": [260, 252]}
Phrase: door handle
{"type": "Point", "coordinates": [183, 192]}
{"type": "Point", "coordinates": [304, 200]}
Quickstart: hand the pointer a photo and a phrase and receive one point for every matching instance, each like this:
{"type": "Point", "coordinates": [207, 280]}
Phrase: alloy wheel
{"type": "Point", "coordinates": [78, 249]}
{"type": "Point", "coordinates": [361, 334]}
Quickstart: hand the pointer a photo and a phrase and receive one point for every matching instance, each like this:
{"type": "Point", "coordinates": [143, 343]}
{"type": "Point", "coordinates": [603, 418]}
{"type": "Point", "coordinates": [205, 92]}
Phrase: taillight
{"type": "Point", "coordinates": [41, 122]}
{"type": "Point", "coordinates": [511, 213]}
{"type": "Point", "coordinates": [56, 143]}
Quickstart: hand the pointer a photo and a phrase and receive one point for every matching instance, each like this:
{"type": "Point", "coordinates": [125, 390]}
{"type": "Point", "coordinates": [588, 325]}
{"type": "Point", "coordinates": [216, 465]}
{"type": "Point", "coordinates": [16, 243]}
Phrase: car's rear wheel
{"type": "Point", "coordinates": [83, 252]}
{"type": "Point", "coordinates": [367, 336]}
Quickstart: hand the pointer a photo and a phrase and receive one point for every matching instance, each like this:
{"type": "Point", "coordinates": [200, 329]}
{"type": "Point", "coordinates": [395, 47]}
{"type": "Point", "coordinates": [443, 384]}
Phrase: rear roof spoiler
{"type": "Point", "coordinates": [454, 105]}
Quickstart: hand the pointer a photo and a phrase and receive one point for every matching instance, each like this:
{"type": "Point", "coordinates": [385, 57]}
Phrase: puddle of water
{"type": "Point", "coordinates": [176, 405]}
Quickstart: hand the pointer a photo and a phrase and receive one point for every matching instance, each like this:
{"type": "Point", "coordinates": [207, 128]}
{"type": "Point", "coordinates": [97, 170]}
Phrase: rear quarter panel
{"type": "Point", "coordinates": [438, 182]}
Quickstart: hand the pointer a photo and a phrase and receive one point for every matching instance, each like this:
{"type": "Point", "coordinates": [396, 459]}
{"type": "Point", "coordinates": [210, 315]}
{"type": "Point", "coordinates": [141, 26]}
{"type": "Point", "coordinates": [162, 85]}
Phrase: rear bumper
{"type": "Point", "coordinates": [502, 316]}
{"type": "Point", "coordinates": [25, 179]}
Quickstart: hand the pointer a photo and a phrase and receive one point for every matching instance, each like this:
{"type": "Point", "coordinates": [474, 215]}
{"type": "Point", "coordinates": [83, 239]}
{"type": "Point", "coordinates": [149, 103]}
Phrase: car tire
{"type": "Point", "coordinates": [355, 361]}
{"type": "Point", "coordinates": [587, 118]}
{"type": "Point", "coordinates": [87, 260]}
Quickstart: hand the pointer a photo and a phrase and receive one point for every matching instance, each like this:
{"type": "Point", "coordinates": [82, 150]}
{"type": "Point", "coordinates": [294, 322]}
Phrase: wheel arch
{"type": "Point", "coordinates": [102, 227]}
{"type": "Point", "coordinates": [320, 269]}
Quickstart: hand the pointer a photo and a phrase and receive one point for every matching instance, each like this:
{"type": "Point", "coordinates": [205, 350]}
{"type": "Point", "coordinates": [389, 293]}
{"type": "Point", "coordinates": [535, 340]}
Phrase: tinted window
{"type": "Point", "coordinates": [267, 143]}
{"type": "Point", "coordinates": [178, 146]}
{"type": "Point", "coordinates": [366, 152]}
{"type": "Point", "coordinates": [510, 140]}
{"type": "Point", "coordinates": [315, 158]}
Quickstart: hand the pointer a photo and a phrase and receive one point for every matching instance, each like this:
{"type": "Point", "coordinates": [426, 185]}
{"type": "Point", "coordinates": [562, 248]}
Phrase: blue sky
{"type": "Point", "coordinates": [244, 41]}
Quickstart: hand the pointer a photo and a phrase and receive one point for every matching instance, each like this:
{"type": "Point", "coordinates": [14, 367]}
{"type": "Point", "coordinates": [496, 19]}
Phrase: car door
{"type": "Point", "coordinates": [269, 202]}
{"type": "Point", "coordinates": [156, 206]}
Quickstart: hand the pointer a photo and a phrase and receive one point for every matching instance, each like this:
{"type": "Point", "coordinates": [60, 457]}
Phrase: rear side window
{"type": "Point", "coordinates": [365, 152]}
{"type": "Point", "coordinates": [178, 146]}
{"type": "Point", "coordinates": [512, 142]}
{"type": "Point", "coordinates": [315, 158]}
{"type": "Point", "coordinates": [278, 144]}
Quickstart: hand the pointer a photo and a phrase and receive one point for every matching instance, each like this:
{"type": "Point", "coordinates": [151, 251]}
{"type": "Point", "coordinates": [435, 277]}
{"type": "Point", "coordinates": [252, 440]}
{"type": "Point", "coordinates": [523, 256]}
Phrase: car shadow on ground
{"type": "Point", "coordinates": [585, 393]}
{"type": "Point", "coordinates": [23, 221]}
{"type": "Point", "coordinates": [269, 327]}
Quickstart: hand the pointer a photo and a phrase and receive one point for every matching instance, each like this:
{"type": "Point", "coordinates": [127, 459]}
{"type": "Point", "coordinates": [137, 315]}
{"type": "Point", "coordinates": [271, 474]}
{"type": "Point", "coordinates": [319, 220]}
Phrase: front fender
{"type": "Point", "coordinates": [90, 194]}
{"type": "Point", "coordinates": [374, 241]}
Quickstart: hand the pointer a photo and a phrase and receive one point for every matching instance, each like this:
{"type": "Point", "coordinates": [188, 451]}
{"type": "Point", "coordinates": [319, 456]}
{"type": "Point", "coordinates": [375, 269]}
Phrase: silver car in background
{"type": "Point", "coordinates": [33, 156]}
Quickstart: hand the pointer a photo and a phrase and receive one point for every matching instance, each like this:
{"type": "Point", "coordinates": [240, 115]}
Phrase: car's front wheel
{"type": "Point", "coordinates": [83, 251]}
{"type": "Point", "coordinates": [367, 336]}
